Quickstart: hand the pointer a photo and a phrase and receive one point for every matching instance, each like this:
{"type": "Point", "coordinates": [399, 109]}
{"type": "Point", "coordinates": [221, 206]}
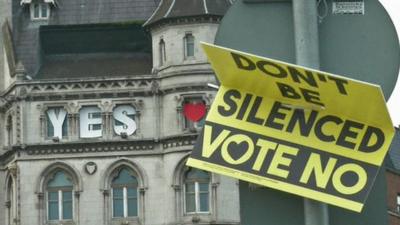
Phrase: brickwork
{"type": "Point", "coordinates": [393, 185]}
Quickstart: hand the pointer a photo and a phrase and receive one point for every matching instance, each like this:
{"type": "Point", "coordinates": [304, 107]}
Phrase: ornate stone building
{"type": "Point", "coordinates": [100, 104]}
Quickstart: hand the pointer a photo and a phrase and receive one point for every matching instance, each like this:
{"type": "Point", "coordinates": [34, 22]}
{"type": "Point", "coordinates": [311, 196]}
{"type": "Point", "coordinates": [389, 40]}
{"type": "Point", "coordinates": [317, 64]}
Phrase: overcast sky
{"type": "Point", "coordinates": [393, 8]}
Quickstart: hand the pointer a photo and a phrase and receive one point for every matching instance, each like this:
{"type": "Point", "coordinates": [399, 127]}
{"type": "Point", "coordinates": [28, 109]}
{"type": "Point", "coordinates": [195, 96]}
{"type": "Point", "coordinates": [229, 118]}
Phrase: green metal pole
{"type": "Point", "coordinates": [305, 18]}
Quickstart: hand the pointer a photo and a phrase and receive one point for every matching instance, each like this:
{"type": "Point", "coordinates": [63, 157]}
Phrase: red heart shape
{"type": "Point", "coordinates": [194, 111]}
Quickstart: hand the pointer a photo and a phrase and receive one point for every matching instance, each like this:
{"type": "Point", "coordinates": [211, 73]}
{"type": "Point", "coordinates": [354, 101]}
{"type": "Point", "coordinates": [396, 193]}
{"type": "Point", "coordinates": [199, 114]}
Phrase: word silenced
{"type": "Point", "coordinates": [276, 115]}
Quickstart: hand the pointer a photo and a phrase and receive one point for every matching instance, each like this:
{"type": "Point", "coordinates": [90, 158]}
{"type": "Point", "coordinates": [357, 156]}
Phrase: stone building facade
{"type": "Point", "coordinates": [100, 105]}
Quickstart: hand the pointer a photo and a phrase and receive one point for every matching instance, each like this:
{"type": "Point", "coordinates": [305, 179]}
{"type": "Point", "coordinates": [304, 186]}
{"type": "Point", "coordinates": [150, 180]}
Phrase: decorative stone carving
{"type": "Point", "coordinates": [20, 71]}
{"type": "Point", "coordinates": [13, 169]}
{"type": "Point", "coordinates": [89, 147]}
{"type": "Point", "coordinates": [90, 168]}
{"type": "Point", "coordinates": [155, 87]}
{"type": "Point", "coordinates": [188, 140]}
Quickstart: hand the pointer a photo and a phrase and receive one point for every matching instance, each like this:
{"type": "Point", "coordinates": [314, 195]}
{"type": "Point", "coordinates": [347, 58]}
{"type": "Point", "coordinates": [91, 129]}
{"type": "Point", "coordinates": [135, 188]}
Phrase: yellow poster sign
{"type": "Point", "coordinates": [299, 130]}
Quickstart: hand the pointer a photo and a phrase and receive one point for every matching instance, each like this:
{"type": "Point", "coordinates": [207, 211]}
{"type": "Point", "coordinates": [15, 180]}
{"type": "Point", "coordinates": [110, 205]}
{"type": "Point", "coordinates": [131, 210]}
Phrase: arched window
{"type": "Point", "coordinates": [189, 45]}
{"type": "Point", "coordinates": [162, 54]}
{"type": "Point", "coordinates": [59, 197]}
{"type": "Point", "coordinates": [124, 194]}
{"type": "Point", "coordinates": [10, 203]}
{"type": "Point", "coordinates": [197, 191]}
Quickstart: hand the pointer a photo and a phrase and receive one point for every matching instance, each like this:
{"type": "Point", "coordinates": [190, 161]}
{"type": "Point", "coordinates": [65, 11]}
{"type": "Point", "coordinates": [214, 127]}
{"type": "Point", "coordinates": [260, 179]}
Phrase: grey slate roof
{"type": "Point", "coordinates": [67, 12]}
{"type": "Point", "coordinates": [392, 161]}
{"type": "Point", "coordinates": [95, 65]}
{"type": "Point", "coordinates": [95, 50]}
{"type": "Point", "coordinates": [172, 9]}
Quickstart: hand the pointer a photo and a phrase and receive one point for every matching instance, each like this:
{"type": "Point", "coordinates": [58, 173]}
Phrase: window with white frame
{"type": "Point", "coordinates": [162, 53]}
{"type": "Point", "coordinates": [189, 45]}
{"type": "Point", "coordinates": [59, 197]}
{"type": "Point", "coordinates": [39, 10]}
{"type": "Point", "coordinates": [197, 191]}
{"type": "Point", "coordinates": [124, 187]}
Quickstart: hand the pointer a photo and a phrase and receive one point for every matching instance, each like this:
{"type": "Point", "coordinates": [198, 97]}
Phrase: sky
{"type": "Point", "coordinates": [393, 8]}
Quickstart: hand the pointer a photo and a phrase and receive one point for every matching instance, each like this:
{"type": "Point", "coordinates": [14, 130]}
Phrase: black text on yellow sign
{"type": "Point", "coordinates": [275, 115]}
{"type": "Point", "coordinates": [283, 165]}
{"type": "Point", "coordinates": [294, 129]}
{"type": "Point", "coordinates": [308, 93]}
{"type": "Point", "coordinates": [300, 87]}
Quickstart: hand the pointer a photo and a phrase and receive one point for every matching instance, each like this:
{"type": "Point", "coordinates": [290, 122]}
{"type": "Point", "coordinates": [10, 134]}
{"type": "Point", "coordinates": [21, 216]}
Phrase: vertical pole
{"type": "Point", "coordinates": [307, 54]}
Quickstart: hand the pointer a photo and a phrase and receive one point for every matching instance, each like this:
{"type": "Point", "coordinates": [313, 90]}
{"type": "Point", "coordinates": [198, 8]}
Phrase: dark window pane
{"type": "Point", "coordinates": [132, 192]}
{"type": "Point", "coordinates": [162, 54]}
{"type": "Point", "coordinates": [53, 210]}
{"type": "Point", "coordinates": [118, 203]}
{"type": "Point", "coordinates": [95, 115]}
{"type": "Point", "coordinates": [190, 187]}
{"type": "Point", "coordinates": [125, 177]}
{"type": "Point", "coordinates": [50, 128]}
{"type": "Point", "coordinates": [203, 187]}
{"type": "Point", "coordinates": [53, 196]}
{"type": "Point", "coordinates": [94, 126]}
{"type": "Point", "coordinates": [118, 208]}
{"type": "Point", "coordinates": [117, 193]}
{"type": "Point", "coordinates": [67, 205]}
{"type": "Point", "coordinates": [189, 45]}
{"type": "Point", "coordinates": [67, 210]}
{"type": "Point", "coordinates": [44, 10]}
{"type": "Point", "coordinates": [190, 50]}
{"type": "Point", "coordinates": [36, 10]}
{"type": "Point", "coordinates": [60, 179]}
{"type": "Point", "coordinates": [190, 203]}
{"type": "Point", "coordinates": [132, 207]}
{"type": "Point", "coordinates": [197, 174]}
{"type": "Point", "coordinates": [204, 202]}
{"type": "Point", "coordinates": [67, 195]}
{"type": "Point", "coordinates": [65, 127]}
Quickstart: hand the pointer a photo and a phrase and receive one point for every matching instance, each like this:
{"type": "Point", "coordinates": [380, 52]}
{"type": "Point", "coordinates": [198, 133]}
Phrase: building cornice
{"type": "Point", "coordinates": [78, 89]}
{"type": "Point", "coordinates": [142, 146]}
